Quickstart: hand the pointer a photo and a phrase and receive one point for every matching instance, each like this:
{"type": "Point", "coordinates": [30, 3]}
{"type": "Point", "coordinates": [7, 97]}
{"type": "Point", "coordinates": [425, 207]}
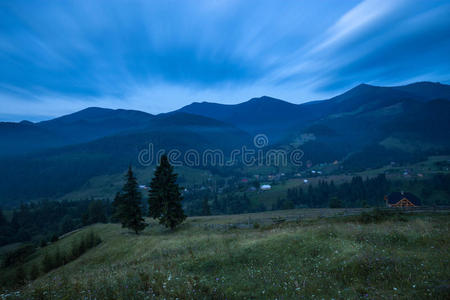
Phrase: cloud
{"type": "Point", "coordinates": [387, 42]}
{"type": "Point", "coordinates": [160, 55]}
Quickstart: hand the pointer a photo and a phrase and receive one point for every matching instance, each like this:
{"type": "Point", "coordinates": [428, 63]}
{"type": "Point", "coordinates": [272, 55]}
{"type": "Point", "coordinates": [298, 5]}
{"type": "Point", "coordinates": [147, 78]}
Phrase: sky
{"type": "Point", "coordinates": [58, 57]}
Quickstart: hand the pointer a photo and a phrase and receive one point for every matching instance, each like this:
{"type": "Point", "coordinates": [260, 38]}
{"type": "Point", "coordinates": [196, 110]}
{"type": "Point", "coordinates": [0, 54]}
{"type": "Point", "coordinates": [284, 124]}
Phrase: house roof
{"type": "Point", "coordinates": [397, 196]}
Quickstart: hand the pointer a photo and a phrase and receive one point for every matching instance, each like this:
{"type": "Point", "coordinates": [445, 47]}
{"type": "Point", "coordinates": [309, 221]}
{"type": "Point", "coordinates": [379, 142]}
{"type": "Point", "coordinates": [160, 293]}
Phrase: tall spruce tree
{"type": "Point", "coordinates": [128, 204]}
{"type": "Point", "coordinates": [165, 197]}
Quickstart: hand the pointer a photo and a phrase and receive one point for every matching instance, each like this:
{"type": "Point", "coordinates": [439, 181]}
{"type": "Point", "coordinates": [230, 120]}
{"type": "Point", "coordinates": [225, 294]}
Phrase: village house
{"type": "Point", "coordinates": [265, 187]}
{"type": "Point", "coordinates": [402, 199]}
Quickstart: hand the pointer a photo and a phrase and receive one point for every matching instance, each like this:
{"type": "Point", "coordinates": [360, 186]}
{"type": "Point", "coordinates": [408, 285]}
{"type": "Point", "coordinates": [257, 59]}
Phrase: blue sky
{"type": "Point", "coordinates": [57, 57]}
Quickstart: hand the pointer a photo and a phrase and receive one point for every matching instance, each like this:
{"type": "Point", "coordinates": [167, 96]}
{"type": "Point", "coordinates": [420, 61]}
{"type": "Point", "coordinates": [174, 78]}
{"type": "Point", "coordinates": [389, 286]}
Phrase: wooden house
{"type": "Point", "coordinates": [402, 199]}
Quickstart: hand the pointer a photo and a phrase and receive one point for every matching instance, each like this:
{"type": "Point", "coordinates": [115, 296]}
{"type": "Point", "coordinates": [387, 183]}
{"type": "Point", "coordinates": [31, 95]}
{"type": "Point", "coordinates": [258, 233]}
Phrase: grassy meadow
{"type": "Point", "coordinates": [405, 257]}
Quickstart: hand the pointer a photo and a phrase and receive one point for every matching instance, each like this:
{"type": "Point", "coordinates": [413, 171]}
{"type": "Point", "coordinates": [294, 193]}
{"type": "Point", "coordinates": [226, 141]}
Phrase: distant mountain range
{"type": "Point", "coordinates": [275, 116]}
{"type": "Point", "coordinates": [365, 126]}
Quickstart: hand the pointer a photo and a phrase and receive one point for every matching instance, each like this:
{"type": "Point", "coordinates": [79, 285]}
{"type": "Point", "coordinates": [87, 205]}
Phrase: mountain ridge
{"type": "Point", "coordinates": [362, 127]}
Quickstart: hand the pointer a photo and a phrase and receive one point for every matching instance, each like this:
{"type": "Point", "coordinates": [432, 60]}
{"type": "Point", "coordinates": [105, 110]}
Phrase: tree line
{"type": "Point", "coordinates": [51, 260]}
{"type": "Point", "coordinates": [367, 192]}
{"type": "Point", "coordinates": [358, 192]}
{"type": "Point", "coordinates": [43, 222]}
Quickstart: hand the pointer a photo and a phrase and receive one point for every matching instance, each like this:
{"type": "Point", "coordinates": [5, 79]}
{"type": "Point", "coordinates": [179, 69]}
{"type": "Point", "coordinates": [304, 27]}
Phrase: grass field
{"type": "Point", "coordinates": [340, 257]}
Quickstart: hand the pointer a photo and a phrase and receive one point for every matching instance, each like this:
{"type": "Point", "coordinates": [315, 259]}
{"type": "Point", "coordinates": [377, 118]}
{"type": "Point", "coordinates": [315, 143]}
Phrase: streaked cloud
{"type": "Point", "coordinates": [60, 56]}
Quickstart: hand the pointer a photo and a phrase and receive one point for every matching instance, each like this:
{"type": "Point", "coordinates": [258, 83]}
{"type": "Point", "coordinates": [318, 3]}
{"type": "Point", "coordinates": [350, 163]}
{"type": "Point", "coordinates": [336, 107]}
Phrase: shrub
{"type": "Point", "coordinates": [335, 202]}
{"type": "Point", "coordinates": [18, 255]}
{"type": "Point", "coordinates": [278, 220]}
{"type": "Point", "coordinates": [34, 272]}
{"type": "Point", "coordinates": [20, 276]}
{"type": "Point", "coordinates": [47, 262]}
{"type": "Point", "coordinates": [57, 259]}
{"type": "Point", "coordinates": [43, 243]}
{"type": "Point", "coordinates": [377, 215]}
{"type": "Point", "coordinates": [54, 238]}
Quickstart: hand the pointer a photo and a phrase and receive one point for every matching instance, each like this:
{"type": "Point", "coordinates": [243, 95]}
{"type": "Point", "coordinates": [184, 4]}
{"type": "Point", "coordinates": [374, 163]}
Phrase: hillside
{"type": "Point", "coordinates": [342, 257]}
{"type": "Point", "coordinates": [82, 126]}
{"type": "Point", "coordinates": [95, 122]}
{"type": "Point", "coordinates": [111, 155]}
{"type": "Point", "coordinates": [257, 115]}
{"type": "Point", "coordinates": [275, 116]}
{"type": "Point", "coordinates": [25, 137]}
{"type": "Point", "coordinates": [365, 127]}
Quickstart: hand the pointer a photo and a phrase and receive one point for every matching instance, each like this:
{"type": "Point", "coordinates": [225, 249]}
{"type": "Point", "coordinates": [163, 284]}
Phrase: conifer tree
{"type": "Point", "coordinates": [335, 202]}
{"type": "Point", "coordinates": [206, 211]}
{"type": "Point", "coordinates": [216, 206]}
{"type": "Point", "coordinates": [165, 197]}
{"type": "Point", "coordinates": [3, 221]}
{"type": "Point", "coordinates": [128, 204]}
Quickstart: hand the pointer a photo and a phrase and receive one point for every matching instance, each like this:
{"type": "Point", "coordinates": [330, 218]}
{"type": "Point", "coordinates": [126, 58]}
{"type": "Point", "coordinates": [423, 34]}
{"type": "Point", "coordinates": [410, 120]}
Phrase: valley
{"type": "Point", "coordinates": [366, 128]}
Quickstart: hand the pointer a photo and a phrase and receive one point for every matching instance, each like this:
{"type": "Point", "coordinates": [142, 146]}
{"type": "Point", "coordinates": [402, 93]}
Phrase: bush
{"type": "Point", "coordinates": [47, 262]}
{"type": "Point", "coordinates": [54, 238]}
{"type": "Point", "coordinates": [88, 241]}
{"type": "Point", "coordinates": [19, 255]}
{"type": "Point", "coordinates": [20, 276]}
{"type": "Point", "coordinates": [377, 215]}
{"type": "Point", "coordinates": [335, 202]}
{"type": "Point", "coordinates": [43, 243]}
{"type": "Point", "coordinates": [57, 259]}
{"type": "Point", "coordinates": [278, 220]}
{"type": "Point", "coordinates": [34, 272]}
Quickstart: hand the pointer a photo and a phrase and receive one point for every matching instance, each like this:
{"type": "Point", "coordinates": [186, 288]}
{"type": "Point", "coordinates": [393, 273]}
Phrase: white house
{"type": "Point", "coordinates": [265, 187]}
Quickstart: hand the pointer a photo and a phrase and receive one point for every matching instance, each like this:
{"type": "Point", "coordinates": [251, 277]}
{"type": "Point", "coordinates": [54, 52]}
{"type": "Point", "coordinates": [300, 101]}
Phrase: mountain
{"type": "Point", "coordinates": [367, 126]}
{"type": "Point", "coordinates": [275, 117]}
{"type": "Point", "coordinates": [94, 122]}
{"type": "Point", "coordinates": [25, 137]}
{"type": "Point", "coordinates": [427, 91]}
{"type": "Point", "coordinates": [258, 115]}
{"type": "Point", "coordinates": [85, 125]}
{"type": "Point", "coordinates": [407, 120]}
{"type": "Point", "coordinates": [381, 124]}
{"type": "Point", "coordinates": [56, 172]}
